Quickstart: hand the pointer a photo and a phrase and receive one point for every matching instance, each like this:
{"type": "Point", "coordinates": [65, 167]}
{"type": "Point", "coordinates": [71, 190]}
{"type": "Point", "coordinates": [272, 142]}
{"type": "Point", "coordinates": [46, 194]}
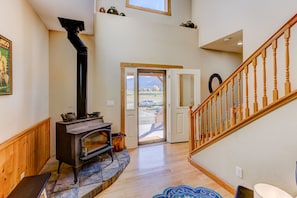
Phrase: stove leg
{"type": "Point", "coordinates": [60, 162]}
{"type": "Point", "coordinates": [75, 171]}
{"type": "Point", "coordinates": [111, 154]}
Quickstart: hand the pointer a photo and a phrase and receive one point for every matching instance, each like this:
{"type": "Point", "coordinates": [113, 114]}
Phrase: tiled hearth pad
{"type": "Point", "coordinates": [93, 177]}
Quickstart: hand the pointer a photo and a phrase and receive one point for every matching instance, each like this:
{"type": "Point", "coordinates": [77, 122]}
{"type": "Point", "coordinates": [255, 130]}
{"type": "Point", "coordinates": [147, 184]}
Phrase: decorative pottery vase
{"type": "Point", "coordinates": [112, 10]}
{"type": "Point", "coordinates": [102, 9]}
{"type": "Point", "coordinates": [190, 24]}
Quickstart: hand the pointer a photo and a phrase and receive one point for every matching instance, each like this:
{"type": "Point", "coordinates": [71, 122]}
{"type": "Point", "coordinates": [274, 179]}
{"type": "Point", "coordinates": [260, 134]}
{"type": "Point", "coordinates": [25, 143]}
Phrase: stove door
{"type": "Point", "coordinates": [94, 141]}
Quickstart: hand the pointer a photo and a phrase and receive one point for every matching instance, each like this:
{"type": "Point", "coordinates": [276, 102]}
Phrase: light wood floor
{"type": "Point", "coordinates": [153, 168]}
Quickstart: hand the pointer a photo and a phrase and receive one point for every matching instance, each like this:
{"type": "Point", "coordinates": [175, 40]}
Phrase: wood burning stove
{"type": "Point", "coordinates": [79, 141]}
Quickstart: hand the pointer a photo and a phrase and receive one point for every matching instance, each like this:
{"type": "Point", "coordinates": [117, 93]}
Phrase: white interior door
{"type": "Point", "coordinates": [131, 107]}
{"type": "Point", "coordinates": [184, 86]}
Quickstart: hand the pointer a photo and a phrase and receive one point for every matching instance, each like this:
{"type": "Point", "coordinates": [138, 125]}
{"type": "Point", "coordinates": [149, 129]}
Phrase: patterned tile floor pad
{"type": "Point", "coordinates": [184, 191]}
{"type": "Point", "coordinates": [93, 177]}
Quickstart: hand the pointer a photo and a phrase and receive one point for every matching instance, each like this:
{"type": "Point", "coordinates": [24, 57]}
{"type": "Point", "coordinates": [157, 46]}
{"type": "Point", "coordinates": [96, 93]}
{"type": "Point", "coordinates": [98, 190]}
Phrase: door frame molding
{"type": "Point", "coordinates": [123, 65]}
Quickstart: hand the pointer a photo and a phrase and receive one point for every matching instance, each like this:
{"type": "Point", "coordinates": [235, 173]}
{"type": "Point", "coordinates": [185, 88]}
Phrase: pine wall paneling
{"type": "Point", "coordinates": [25, 153]}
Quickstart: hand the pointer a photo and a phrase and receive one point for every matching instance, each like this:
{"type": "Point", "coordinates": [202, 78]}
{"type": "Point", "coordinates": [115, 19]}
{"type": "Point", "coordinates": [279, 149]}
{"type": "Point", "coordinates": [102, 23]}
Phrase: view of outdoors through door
{"type": "Point", "coordinates": [151, 104]}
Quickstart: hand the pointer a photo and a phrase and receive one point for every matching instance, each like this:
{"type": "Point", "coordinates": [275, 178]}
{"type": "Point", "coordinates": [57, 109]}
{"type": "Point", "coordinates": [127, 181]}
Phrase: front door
{"type": "Point", "coordinates": [182, 90]}
{"type": "Point", "coordinates": [151, 106]}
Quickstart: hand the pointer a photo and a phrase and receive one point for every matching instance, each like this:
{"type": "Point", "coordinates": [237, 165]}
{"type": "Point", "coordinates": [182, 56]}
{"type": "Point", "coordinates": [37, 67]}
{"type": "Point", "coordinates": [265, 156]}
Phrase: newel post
{"type": "Point", "coordinates": [191, 131]}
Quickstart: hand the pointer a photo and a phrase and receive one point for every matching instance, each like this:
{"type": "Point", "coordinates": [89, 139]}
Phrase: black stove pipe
{"type": "Point", "coordinates": [73, 27]}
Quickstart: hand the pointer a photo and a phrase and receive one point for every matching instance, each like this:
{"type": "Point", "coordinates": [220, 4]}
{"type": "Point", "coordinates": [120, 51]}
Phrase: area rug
{"type": "Point", "coordinates": [184, 191]}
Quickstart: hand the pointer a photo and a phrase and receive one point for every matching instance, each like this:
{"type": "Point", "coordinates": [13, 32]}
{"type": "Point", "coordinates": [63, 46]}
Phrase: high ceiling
{"type": "Point", "coordinates": [50, 10]}
{"type": "Point", "coordinates": [83, 10]}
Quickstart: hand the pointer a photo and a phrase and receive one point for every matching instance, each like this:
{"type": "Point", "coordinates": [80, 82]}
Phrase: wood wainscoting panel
{"type": "Point", "coordinates": [25, 153]}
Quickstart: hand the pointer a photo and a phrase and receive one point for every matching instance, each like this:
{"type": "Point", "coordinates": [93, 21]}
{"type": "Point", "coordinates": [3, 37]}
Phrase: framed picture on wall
{"type": "Point", "coordinates": [5, 66]}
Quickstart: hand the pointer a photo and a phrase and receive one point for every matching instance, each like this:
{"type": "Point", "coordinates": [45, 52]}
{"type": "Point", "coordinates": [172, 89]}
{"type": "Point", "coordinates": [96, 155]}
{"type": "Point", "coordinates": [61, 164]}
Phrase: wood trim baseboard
{"type": "Point", "coordinates": [212, 176]}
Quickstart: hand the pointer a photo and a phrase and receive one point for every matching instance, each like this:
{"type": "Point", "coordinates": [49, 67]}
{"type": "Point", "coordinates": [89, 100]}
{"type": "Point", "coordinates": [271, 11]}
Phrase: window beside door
{"type": "Point", "coordinates": [130, 94]}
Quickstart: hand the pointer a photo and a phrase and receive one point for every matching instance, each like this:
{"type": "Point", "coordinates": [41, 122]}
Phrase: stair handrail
{"type": "Point", "coordinates": [204, 121]}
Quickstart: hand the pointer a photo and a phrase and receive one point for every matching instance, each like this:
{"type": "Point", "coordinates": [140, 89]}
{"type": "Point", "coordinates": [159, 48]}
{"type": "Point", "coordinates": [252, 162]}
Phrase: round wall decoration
{"type": "Point", "coordinates": [214, 82]}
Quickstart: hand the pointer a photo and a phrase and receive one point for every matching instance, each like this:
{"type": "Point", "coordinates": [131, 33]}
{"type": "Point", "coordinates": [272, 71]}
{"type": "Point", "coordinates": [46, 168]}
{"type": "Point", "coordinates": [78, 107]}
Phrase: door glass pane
{"type": "Point", "coordinates": [130, 96]}
{"type": "Point", "coordinates": [151, 94]}
{"type": "Point", "coordinates": [186, 82]}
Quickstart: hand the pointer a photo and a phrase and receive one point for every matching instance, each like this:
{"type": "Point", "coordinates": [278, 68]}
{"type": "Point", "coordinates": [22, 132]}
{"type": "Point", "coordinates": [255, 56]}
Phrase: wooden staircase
{"type": "Point", "coordinates": [262, 83]}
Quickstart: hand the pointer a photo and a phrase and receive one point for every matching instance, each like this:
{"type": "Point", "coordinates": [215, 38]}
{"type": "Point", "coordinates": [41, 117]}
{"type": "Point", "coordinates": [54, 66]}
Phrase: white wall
{"type": "Point", "coordinates": [216, 62]}
{"type": "Point", "coordinates": [63, 77]}
{"type": "Point", "coordinates": [29, 102]}
{"type": "Point", "coordinates": [258, 19]}
{"type": "Point", "coordinates": [126, 39]}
